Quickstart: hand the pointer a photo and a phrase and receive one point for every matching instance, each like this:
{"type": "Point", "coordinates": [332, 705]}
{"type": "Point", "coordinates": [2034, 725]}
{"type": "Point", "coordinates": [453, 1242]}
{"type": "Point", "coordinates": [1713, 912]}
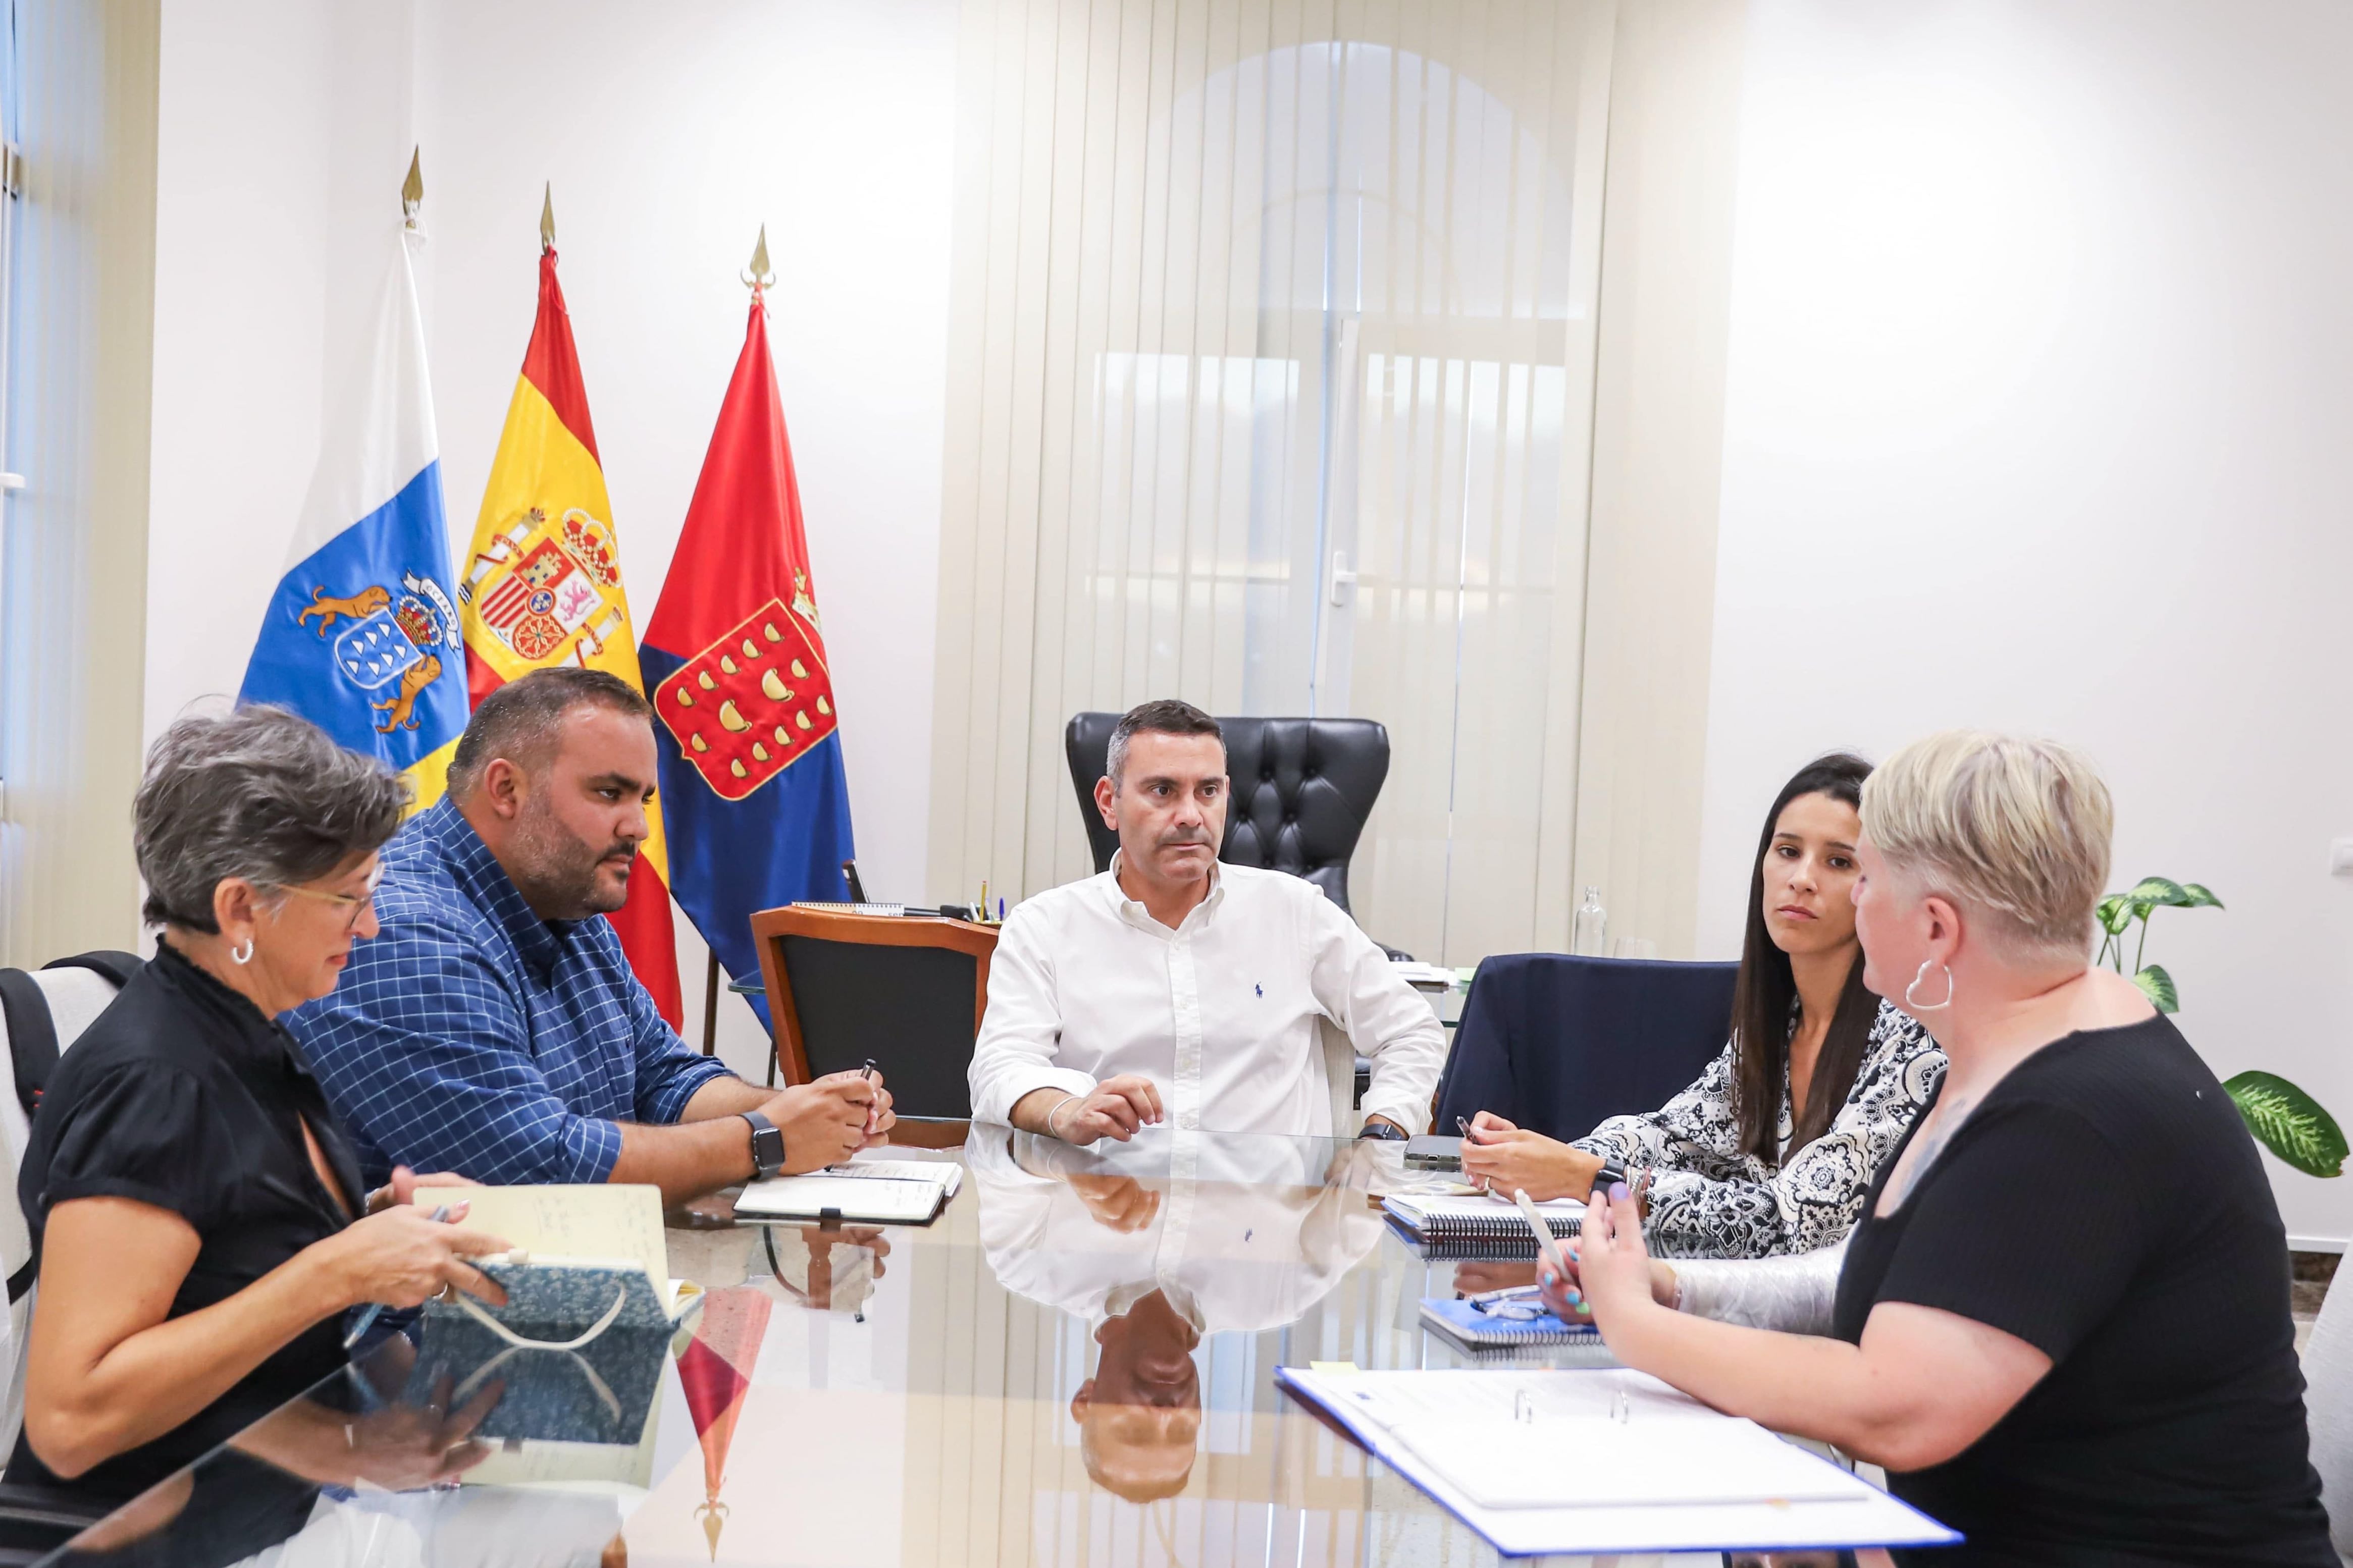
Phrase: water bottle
{"type": "Point", "coordinates": [1592, 927]}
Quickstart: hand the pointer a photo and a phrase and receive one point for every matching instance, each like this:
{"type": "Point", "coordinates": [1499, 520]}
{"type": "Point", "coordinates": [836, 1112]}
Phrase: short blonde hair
{"type": "Point", "coordinates": [2015, 829]}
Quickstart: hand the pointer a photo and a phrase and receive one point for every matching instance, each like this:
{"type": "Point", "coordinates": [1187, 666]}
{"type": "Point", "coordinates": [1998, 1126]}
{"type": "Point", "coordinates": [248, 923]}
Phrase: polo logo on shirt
{"type": "Point", "coordinates": [1260, 989]}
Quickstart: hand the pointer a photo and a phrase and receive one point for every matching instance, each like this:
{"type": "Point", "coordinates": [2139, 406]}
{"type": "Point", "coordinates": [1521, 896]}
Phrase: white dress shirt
{"type": "Point", "coordinates": [1220, 1013]}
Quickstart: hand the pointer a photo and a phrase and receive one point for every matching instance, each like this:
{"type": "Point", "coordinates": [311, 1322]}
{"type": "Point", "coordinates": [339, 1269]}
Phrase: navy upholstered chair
{"type": "Point", "coordinates": [1556, 1043]}
{"type": "Point", "coordinates": [1303, 791]}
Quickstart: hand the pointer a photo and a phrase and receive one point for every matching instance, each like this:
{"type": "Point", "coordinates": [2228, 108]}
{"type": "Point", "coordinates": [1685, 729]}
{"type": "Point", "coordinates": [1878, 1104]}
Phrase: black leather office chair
{"type": "Point", "coordinates": [1303, 789]}
{"type": "Point", "coordinates": [905, 992]}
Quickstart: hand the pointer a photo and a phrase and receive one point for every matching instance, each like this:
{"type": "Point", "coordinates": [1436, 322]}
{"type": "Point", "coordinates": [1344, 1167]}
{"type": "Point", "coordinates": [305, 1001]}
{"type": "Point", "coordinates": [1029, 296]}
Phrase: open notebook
{"type": "Point", "coordinates": [862, 1192]}
{"type": "Point", "coordinates": [583, 1260]}
{"type": "Point", "coordinates": [575, 1356]}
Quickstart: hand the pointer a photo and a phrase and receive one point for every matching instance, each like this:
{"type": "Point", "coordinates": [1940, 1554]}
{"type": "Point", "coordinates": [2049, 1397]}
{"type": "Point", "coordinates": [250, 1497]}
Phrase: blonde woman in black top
{"type": "Point", "coordinates": [2062, 1325]}
{"type": "Point", "coordinates": [197, 1212]}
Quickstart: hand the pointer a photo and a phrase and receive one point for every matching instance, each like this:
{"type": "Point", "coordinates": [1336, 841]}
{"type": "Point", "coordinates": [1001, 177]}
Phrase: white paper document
{"type": "Point", "coordinates": [1576, 1460]}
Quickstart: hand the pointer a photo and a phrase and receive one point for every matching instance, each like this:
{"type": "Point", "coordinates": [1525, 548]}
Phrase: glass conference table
{"type": "Point", "coordinates": [1074, 1364]}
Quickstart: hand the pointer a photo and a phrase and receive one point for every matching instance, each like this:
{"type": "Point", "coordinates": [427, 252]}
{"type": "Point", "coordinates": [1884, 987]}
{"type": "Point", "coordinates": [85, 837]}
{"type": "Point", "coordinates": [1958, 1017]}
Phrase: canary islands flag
{"type": "Point", "coordinates": [751, 762]}
{"type": "Point", "coordinates": [362, 638]}
{"type": "Point", "coordinates": [543, 586]}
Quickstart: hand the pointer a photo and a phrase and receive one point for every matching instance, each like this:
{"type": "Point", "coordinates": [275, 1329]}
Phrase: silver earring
{"type": "Point", "coordinates": [1912, 1002]}
{"type": "Point", "coordinates": [242, 955]}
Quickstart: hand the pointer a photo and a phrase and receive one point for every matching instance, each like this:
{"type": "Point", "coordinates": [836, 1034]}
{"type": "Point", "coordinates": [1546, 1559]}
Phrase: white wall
{"type": "Point", "coordinates": [2041, 372]}
{"type": "Point", "coordinates": [286, 126]}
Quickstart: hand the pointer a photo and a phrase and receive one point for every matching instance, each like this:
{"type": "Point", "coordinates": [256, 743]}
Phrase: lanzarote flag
{"type": "Point", "coordinates": [542, 586]}
{"type": "Point", "coordinates": [750, 759]}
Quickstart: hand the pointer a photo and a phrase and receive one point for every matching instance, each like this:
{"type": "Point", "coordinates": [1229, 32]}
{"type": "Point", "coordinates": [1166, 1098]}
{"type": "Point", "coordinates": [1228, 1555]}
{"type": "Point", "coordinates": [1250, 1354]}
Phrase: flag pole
{"type": "Point", "coordinates": [412, 192]}
{"type": "Point", "coordinates": [760, 275]}
{"type": "Point", "coordinates": [710, 1007]}
{"type": "Point", "coordinates": [756, 279]}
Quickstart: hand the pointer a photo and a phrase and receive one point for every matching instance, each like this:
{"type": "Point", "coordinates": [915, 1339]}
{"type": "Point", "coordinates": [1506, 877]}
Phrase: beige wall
{"type": "Point", "coordinates": [77, 534]}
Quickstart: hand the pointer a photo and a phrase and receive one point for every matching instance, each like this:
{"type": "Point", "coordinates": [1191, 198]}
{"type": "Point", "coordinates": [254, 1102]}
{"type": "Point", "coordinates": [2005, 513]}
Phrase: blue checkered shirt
{"type": "Point", "coordinates": [471, 1036]}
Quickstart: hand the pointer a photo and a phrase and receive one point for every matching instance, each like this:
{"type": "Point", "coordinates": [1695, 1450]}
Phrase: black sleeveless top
{"type": "Point", "coordinates": [184, 1096]}
{"type": "Point", "coordinates": [2104, 1203]}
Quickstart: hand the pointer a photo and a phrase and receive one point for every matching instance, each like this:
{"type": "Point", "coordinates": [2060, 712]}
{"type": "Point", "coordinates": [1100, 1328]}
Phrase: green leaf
{"type": "Point", "coordinates": [2116, 913]}
{"type": "Point", "coordinates": [2200, 898]}
{"type": "Point", "coordinates": [2289, 1123]}
{"type": "Point", "coordinates": [2157, 986]}
{"type": "Point", "coordinates": [2160, 892]}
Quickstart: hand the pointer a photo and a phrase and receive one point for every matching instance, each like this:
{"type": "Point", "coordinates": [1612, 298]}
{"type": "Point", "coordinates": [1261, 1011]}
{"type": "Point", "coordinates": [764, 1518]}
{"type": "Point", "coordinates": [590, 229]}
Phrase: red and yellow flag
{"type": "Point", "coordinates": [542, 586]}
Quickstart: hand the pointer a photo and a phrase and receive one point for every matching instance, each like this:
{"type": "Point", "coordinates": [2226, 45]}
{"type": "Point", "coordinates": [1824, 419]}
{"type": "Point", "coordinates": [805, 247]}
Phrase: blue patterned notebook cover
{"type": "Point", "coordinates": [555, 1299]}
{"type": "Point", "coordinates": [601, 1393]}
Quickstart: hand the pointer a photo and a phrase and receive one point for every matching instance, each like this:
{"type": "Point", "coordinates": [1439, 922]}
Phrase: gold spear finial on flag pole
{"type": "Point", "coordinates": [412, 191]}
{"type": "Point", "coordinates": [547, 217]}
{"type": "Point", "coordinates": [761, 275]}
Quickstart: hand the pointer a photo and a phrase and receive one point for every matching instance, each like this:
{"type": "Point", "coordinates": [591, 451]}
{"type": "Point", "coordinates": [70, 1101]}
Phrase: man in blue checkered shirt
{"type": "Point", "coordinates": [494, 1028]}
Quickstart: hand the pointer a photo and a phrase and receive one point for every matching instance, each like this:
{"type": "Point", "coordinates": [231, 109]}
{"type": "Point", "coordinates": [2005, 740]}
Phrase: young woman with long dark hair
{"type": "Point", "coordinates": [1771, 1151]}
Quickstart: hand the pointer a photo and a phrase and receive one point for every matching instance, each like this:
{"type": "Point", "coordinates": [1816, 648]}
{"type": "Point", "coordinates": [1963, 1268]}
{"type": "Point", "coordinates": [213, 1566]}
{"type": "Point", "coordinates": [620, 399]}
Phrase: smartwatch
{"type": "Point", "coordinates": [1387, 1132]}
{"type": "Point", "coordinates": [767, 1146]}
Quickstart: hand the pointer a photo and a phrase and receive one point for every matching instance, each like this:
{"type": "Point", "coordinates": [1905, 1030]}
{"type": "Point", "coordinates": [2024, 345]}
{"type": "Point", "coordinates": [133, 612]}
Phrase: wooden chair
{"type": "Point", "coordinates": [906, 991]}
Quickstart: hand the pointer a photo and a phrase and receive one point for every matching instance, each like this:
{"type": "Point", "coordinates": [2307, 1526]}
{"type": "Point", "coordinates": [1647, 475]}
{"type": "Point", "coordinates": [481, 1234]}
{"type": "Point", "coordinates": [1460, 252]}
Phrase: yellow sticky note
{"type": "Point", "coordinates": [1331, 1367]}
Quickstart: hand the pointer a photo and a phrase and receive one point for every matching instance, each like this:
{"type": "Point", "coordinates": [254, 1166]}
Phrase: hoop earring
{"type": "Point", "coordinates": [242, 955]}
{"type": "Point", "coordinates": [1911, 998]}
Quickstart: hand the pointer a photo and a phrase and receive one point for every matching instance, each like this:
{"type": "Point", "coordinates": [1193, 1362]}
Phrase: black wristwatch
{"type": "Point", "coordinates": [1387, 1132]}
{"type": "Point", "coordinates": [767, 1146]}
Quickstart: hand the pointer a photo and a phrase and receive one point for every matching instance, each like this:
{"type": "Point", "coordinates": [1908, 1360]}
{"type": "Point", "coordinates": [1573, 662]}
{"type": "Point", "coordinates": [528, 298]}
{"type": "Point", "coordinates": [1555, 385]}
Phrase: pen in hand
{"type": "Point", "coordinates": [374, 1310]}
{"type": "Point", "coordinates": [871, 1116]}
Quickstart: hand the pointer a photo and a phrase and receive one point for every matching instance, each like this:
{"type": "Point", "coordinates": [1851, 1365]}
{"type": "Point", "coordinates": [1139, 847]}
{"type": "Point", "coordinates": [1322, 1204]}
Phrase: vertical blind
{"type": "Point", "coordinates": [1270, 388]}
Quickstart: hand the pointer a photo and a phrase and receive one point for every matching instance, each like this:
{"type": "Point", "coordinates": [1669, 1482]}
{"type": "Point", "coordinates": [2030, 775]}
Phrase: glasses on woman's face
{"type": "Point", "coordinates": [353, 903]}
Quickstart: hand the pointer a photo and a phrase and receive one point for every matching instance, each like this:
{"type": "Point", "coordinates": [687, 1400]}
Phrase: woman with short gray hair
{"type": "Point", "coordinates": [2062, 1324]}
{"type": "Point", "coordinates": [196, 1210]}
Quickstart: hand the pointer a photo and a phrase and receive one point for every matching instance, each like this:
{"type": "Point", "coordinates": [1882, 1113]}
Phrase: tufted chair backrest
{"type": "Point", "coordinates": [1303, 789]}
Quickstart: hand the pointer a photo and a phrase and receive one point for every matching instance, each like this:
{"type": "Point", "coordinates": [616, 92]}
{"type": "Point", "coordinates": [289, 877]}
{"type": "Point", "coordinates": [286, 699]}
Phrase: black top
{"type": "Point", "coordinates": [184, 1096]}
{"type": "Point", "coordinates": [2105, 1205]}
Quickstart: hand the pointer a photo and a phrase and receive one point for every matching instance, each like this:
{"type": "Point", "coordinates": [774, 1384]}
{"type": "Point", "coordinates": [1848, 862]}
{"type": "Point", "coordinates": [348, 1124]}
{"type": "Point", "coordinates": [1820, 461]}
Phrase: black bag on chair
{"type": "Point", "coordinates": [32, 1032]}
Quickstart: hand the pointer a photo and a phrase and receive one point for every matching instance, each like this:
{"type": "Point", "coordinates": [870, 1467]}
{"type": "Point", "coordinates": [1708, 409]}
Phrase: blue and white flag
{"type": "Point", "coordinates": [362, 637]}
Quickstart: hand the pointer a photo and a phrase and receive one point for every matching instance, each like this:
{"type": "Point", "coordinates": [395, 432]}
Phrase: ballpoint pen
{"type": "Point", "coordinates": [868, 1075]}
{"type": "Point", "coordinates": [1547, 1249]}
{"type": "Point", "coordinates": [374, 1310]}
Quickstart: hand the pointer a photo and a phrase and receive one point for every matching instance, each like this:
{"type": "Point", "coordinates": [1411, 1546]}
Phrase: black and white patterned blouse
{"type": "Point", "coordinates": [1709, 1199]}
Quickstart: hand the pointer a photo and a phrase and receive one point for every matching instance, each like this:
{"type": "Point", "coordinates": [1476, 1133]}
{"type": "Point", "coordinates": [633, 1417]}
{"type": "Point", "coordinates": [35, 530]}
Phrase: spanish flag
{"type": "Point", "coordinates": [541, 585]}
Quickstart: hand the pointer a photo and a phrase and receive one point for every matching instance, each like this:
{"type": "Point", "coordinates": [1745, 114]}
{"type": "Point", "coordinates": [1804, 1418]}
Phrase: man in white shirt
{"type": "Point", "coordinates": [1174, 987]}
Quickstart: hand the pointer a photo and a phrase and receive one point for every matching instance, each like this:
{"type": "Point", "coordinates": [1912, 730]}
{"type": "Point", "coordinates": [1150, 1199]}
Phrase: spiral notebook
{"type": "Point", "coordinates": [1476, 1227]}
{"type": "Point", "coordinates": [1481, 1332]}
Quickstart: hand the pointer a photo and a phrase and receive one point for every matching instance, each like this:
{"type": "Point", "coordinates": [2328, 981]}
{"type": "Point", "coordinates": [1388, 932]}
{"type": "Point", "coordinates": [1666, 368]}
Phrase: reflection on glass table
{"type": "Point", "coordinates": [1073, 1365]}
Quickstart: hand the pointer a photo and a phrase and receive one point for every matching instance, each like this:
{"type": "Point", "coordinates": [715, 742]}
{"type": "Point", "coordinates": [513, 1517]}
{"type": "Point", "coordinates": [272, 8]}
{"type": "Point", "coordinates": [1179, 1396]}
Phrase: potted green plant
{"type": "Point", "coordinates": [2283, 1118]}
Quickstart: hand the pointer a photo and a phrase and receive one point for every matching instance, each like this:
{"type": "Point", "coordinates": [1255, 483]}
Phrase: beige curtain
{"type": "Point", "coordinates": [73, 582]}
{"type": "Point", "coordinates": [1272, 388]}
